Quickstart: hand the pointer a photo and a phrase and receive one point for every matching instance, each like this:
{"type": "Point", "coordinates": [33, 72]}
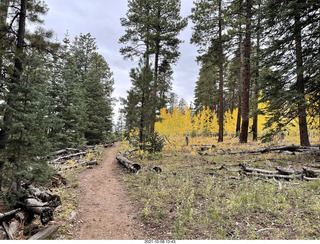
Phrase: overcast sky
{"type": "Point", "coordinates": [101, 18]}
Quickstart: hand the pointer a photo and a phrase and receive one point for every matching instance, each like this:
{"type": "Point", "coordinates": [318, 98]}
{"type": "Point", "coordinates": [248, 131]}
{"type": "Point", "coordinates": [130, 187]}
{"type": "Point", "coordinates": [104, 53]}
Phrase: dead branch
{"type": "Point", "coordinates": [7, 230]}
{"type": "Point", "coordinates": [48, 231]}
{"type": "Point", "coordinates": [246, 169]}
{"type": "Point", "coordinates": [8, 215]}
{"type": "Point", "coordinates": [288, 171]}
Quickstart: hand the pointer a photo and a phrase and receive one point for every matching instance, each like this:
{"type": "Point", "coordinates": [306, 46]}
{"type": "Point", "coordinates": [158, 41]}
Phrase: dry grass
{"type": "Point", "coordinates": [191, 200]}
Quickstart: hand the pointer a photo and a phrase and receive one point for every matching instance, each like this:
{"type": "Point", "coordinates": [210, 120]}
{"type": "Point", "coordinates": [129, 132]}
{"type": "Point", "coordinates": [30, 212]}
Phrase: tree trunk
{"type": "Point", "coordinates": [303, 126]}
{"type": "Point", "coordinates": [221, 113]}
{"type": "Point", "coordinates": [240, 76]}
{"type": "Point", "coordinates": [256, 85]}
{"type": "Point", "coordinates": [247, 76]}
{"type": "Point", "coordinates": [128, 164]}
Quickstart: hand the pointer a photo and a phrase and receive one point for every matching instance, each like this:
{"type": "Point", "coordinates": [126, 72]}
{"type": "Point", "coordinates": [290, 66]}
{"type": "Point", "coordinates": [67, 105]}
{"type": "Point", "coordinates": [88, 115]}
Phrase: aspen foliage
{"type": "Point", "coordinates": [183, 122]}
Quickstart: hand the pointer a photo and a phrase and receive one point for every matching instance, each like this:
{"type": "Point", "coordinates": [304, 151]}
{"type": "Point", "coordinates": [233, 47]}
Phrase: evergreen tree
{"type": "Point", "coordinates": [292, 56]}
{"type": "Point", "coordinates": [208, 20]}
{"type": "Point", "coordinates": [247, 75]}
{"type": "Point", "coordinates": [23, 141]}
{"type": "Point", "coordinates": [96, 80]}
{"type": "Point", "coordinates": [155, 25]}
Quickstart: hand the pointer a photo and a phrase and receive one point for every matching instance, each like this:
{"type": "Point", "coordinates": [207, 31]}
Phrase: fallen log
{"type": "Point", "coordinates": [280, 149]}
{"type": "Point", "coordinates": [34, 206]}
{"type": "Point", "coordinates": [312, 173]}
{"type": "Point", "coordinates": [288, 171]}
{"type": "Point", "coordinates": [89, 163]}
{"type": "Point", "coordinates": [310, 179]}
{"type": "Point", "coordinates": [51, 199]}
{"type": "Point", "coordinates": [7, 230]}
{"type": "Point", "coordinates": [68, 157]}
{"type": "Point", "coordinates": [246, 169]}
{"type": "Point", "coordinates": [128, 164]}
{"type": "Point", "coordinates": [286, 177]}
{"type": "Point", "coordinates": [9, 215]}
{"type": "Point", "coordinates": [47, 232]}
{"type": "Point", "coordinates": [3, 234]}
{"type": "Point", "coordinates": [106, 145]}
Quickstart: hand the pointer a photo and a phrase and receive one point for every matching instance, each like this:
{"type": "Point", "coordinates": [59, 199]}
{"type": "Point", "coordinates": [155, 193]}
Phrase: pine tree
{"type": "Point", "coordinates": [207, 17]}
{"type": "Point", "coordinates": [247, 75]}
{"type": "Point", "coordinates": [23, 141]}
{"type": "Point", "coordinates": [155, 25]}
{"type": "Point", "coordinates": [292, 56]}
{"type": "Point", "coordinates": [96, 80]}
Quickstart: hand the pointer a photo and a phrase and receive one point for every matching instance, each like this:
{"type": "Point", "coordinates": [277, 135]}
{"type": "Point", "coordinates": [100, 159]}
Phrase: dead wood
{"type": "Point", "coordinates": [288, 171]}
{"type": "Point", "coordinates": [87, 163]}
{"type": "Point", "coordinates": [221, 168]}
{"type": "Point", "coordinates": [34, 206]}
{"type": "Point", "coordinates": [311, 172]}
{"type": "Point", "coordinates": [286, 177]}
{"type": "Point", "coordinates": [68, 157]}
{"type": "Point", "coordinates": [246, 169]}
{"type": "Point", "coordinates": [44, 196]}
{"type": "Point", "coordinates": [317, 166]}
{"type": "Point", "coordinates": [47, 232]}
{"type": "Point", "coordinates": [14, 226]}
{"type": "Point", "coordinates": [291, 149]}
{"type": "Point", "coordinates": [3, 234]}
{"type": "Point", "coordinates": [310, 179]}
{"type": "Point", "coordinates": [7, 230]}
{"type": "Point", "coordinates": [9, 215]}
{"type": "Point", "coordinates": [128, 164]}
{"type": "Point", "coordinates": [57, 180]}
{"type": "Point", "coordinates": [110, 144]}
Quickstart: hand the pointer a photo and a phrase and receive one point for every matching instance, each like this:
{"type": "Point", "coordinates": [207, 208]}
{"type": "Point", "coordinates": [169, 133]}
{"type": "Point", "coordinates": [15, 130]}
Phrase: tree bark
{"type": "Point", "coordinates": [303, 126]}
{"type": "Point", "coordinates": [256, 83]}
{"type": "Point", "coordinates": [128, 164]}
{"type": "Point", "coordinates": [247, 76]}
{"type": "Point", "coordinates": [221, 109]}
{"type": "Point", "coordinates": [41, 235]}
{"type": "Point", "coordinates": [240, 76]}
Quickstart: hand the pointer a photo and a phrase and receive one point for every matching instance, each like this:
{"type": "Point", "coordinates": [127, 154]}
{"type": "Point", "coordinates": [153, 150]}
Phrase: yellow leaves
{"type": "Point", "coordinates": [181, 123]}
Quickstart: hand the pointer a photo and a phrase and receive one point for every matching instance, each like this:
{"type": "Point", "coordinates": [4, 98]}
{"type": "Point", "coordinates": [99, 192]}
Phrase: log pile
{"type": "Point", "coordinates": [287, 173]}
{"type": "Point", "coordinates": [70, 158]}
{"type": "Point", "coordinates": [35, 202]}
{"type": "Point", "coordinates": [287, 150]}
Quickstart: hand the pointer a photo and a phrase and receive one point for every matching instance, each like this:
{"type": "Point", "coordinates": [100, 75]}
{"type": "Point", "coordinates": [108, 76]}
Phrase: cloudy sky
{"type": "Point", "coordinates": [101, 18]}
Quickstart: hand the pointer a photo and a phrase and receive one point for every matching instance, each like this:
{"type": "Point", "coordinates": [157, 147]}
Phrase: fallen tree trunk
{"type": "Point", "coordinates": [68, 157]}
{"type": "Point", "coordinates": [34, 206]}
{"type": "Point", "coordinates": [291, 148]}
{"type": "Point", "coordinates": [246, 169]}
{"type": "Point", "coordinates": [311, 172]}
{"type": "Point", "coordinates": [110, 144]}
{"type": "Point", "coordinates": [89, 163]}
{"type": "Point", "coordinates": [128, 164]}
{"type": "Point", "coordinates": [9, 215]}
{"type": "Point", "coordinates": [53, 200]}
{"type": "Point", "coordinates": [288, 171]}
{"type": "Point", "coordinates": [7, 230]}
{"type": "Point", "coordinates": [41, 235]}
{"type": "Point", "coordinates": [286, 177]}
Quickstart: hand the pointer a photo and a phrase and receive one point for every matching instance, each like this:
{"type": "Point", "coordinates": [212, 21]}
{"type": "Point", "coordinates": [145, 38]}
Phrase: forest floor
{"type": "Point", "coordinates": [103, 211]}
{"type": "Point", "coordinates": [195, 197]}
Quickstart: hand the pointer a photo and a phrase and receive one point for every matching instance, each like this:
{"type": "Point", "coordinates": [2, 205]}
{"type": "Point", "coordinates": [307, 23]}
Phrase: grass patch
{"type": "Point", "coordinates": [189, 200]}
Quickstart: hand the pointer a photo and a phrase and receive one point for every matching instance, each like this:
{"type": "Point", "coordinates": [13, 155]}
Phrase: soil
{"type": "Point", "coordinates": [104, 212]}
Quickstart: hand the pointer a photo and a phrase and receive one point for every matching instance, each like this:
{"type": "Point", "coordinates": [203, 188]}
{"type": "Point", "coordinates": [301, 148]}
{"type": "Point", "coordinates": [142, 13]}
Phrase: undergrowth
{"type": "Point", "coordinates": [190, 199]}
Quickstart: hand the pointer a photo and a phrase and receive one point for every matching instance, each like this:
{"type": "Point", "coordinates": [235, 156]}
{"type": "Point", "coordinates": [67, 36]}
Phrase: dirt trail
{"type": "Point", "coordinates": [105, 212]}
